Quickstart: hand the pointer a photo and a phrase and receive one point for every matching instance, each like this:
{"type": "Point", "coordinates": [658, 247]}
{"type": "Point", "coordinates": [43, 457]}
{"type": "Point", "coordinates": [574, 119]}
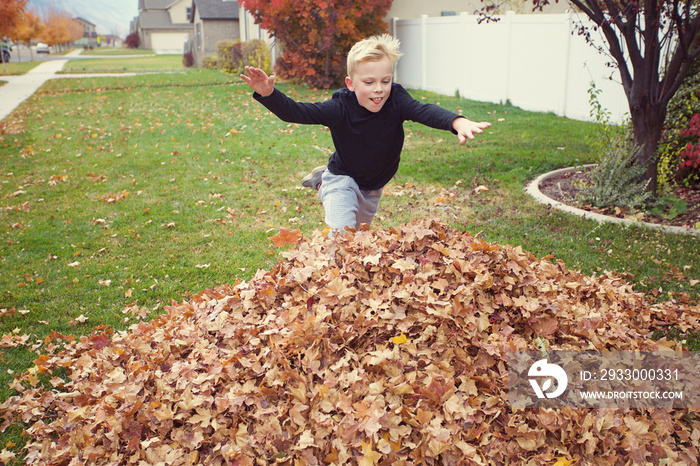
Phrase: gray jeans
{"type": "Point", "coordinates": [345, 203]}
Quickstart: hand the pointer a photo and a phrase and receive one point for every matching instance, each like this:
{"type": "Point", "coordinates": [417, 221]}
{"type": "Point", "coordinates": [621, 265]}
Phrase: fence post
{"type": "Point", "coordinates": [423, 52]}
{"type": "Point", "coordinates": [462, 85]}
{"type": "Point", "coordinates": [567, 70]}
{"type": "Point", "coordinates": [394, 27]}
{"type": "Point", "coordinates": [508, 20]}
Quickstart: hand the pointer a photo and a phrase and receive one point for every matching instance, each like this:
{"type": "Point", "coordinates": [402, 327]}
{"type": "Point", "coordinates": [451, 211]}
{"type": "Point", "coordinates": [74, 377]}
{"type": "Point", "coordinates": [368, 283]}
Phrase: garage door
{"type": "Point", "coordinates": [168, 42]}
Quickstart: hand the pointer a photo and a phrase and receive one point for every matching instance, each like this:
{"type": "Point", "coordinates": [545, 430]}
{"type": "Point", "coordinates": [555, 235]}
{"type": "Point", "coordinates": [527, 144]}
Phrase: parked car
{"type": "Point", "coordinates": [5, 52]}
{"type": "Point", "coordinates": [42, 48]}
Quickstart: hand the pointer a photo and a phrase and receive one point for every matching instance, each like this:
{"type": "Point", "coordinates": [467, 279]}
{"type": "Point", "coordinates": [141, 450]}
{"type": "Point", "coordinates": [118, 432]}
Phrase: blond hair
{"type": "Point", "coordinates": [373, 49]}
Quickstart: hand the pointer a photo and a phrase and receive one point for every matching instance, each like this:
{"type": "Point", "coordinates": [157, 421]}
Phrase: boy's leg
{"type": "Point", "coordinates": [368, 206]}
{"type": "Point", "coordinates": [339, 195]}
{"type": "Point", "coordinates": [345, 204]}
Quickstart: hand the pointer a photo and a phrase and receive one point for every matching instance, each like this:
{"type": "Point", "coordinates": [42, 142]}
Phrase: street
{"type": "Point", "coordinates": [21, 53]}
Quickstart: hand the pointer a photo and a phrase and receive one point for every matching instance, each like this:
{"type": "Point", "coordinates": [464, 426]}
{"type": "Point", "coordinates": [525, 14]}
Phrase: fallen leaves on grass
{"type": "Point", "coordinates": [13, 340]}
{"type": "Point", "coordinates": [375, 347]}
{"type": "Point", "coordinates": [81, 319]}
{"type": "Point", "coordinates": [7, 312]}
{"type": "Point", "coordinates": [114, 197]}
{"type": "Point", "coordinates": [286, 237]}
{"type": "Point", "coordinates": [18, 207]}
{"type": "Point", "coordinates": [6, 456]}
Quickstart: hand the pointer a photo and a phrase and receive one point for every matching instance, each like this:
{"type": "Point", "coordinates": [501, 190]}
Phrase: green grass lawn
{"type": "Point", "coordinates": [15, 69]}
{"type": "Point", "coordinates": [153, 63]}
{"type": "Point", "coordinates": [133, 192]}
{"type": "Point", "coordinates": [109, 51]}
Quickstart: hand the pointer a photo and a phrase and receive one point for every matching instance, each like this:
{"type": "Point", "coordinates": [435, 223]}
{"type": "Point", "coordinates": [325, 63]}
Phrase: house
{"type": "Point", "coordinates": [163, 25]}
{"type": "Point", "coordinates": [213, 20]}
{"type": "Point", "coordinates": [90, 35]}
{"type": "Point", "coordinates": [113, 41]}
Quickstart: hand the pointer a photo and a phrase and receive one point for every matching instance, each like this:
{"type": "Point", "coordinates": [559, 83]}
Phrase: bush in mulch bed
{"type": "Point", "coordinates": [374, 347]}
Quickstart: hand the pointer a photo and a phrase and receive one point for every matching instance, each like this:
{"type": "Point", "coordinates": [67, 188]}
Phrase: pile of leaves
{"type": "Point", "coordinates": [373, 347]}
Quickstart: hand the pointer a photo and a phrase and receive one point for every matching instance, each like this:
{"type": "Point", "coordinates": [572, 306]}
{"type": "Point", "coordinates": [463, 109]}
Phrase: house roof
{"type": "Point", "coordinates": [78, 18]}
{"type": "Point", "coordinates": [159, 20]}
{"type": "Point", "coordinates": [154, 4]}
{"type": "Point", "coordinates": [216, 9]}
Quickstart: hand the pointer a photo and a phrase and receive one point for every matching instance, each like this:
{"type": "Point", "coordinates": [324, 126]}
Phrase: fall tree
{"type": "Point", "coordinates": [317, 34]}
{"type": "Point", "coordinates": [10, 12]}
{"type": "Point", "coordinates": [28, 28]}
{"type": "Point", "coordinates": [653, 44]}
{"type": "Point", "coordinates": [60, 29]}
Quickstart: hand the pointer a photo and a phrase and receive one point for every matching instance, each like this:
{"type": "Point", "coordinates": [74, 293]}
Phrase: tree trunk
{"type": "Point", "coordinates": [647, 125]}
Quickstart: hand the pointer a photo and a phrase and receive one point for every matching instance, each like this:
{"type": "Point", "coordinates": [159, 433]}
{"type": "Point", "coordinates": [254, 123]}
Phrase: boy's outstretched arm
{"type": "Point", "coordinates": [259, 81]}
{"type": "Point", "coordinates": [467, 128]}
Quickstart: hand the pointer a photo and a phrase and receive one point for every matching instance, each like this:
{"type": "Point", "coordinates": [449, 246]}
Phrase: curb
{"type": "Point", "coordinates": [533, 189]}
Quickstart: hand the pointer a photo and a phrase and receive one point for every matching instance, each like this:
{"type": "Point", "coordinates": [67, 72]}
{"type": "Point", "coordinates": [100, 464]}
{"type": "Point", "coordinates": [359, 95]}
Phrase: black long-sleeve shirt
{"type": "Point", "coordinates": [367, 144]}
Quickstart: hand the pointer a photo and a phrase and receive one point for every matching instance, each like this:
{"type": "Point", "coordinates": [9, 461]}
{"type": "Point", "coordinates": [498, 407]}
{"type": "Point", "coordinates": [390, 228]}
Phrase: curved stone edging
{"type": "Point", "coordinates": [533, 189]}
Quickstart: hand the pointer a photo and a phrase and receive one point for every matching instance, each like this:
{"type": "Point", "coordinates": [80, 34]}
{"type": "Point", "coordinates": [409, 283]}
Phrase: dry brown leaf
{"type": "Point", "coordinates": [286, 237]}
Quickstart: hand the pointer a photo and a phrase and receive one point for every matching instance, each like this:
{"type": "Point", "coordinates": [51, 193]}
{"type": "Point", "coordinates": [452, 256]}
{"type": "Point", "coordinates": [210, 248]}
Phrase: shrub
{"type": "Point", "coordinates": [690, 154]}
{"type": "Point", "coordinates": [132, 41]}
{"type": "Point", "coordinates": [187, 60]}
{"type": "Point", "coordinates": [617, 180]}
{"type": "Point", "coordinates": [679, 149]}
{"type": "Point", "coordinates": [232, 56]}
{"type": "Point", "coordinates": [229, 55]}
{"type": "Point", "coordinates": [256, 53]}
{"type": "Point", "coordinates": [210, 62]}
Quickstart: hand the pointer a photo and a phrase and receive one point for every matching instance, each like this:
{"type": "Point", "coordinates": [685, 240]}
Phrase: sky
{"type": "Point", "coordinates": [109, 16]}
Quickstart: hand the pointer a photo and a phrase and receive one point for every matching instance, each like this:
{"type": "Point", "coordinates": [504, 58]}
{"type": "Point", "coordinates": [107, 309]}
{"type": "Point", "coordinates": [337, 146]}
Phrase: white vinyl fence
{"type": "Point", "coordinates": [536, 62]}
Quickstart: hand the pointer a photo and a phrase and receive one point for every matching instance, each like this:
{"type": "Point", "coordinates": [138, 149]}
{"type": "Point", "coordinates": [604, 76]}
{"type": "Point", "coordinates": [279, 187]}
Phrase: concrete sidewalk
{"type": "Point", "coordinates": [20, 88]}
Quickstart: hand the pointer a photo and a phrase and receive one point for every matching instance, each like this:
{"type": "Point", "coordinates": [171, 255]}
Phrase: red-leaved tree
{"type": "Point", "coordinates": [317, 34]}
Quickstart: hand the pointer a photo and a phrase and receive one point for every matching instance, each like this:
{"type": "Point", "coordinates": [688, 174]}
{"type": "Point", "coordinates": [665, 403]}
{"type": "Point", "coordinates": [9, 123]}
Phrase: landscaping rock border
{"type": "Point", "coordinates": [533, 189]}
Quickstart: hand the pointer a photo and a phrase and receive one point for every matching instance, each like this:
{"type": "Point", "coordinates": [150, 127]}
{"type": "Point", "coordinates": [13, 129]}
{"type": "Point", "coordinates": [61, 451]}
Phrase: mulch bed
{"type": "Point", "coordinates": [565, 188]}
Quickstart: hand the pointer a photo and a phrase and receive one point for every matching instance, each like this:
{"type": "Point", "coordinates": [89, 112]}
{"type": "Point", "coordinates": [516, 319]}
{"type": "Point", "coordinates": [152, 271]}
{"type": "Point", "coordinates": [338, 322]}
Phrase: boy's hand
{"type": "Point", "coordinates": [466, 129]}
{"type": "Point", "coordinates": [259, 81]}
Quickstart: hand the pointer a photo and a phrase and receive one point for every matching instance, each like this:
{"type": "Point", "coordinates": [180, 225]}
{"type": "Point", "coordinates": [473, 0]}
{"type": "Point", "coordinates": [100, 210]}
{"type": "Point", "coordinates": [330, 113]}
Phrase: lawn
{"type": "Point", "coordinates": [121, 195]}
{"type": "Point", "coordinates": [111, 51]}
{"type": "Point", "coordinates": [15, 69]}
{"type": "Point", "coordinates": [138, 64]}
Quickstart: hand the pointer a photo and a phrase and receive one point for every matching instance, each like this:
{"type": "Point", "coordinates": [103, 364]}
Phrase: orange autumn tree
{"type": "Point", "coordinates": [28, 29]}
{"type": "Point", "coordinates": [10, 12]}
{"type": "Point", "coordinates": [317, 34]}
{"type": "Point", "coordinates": [60, 29]}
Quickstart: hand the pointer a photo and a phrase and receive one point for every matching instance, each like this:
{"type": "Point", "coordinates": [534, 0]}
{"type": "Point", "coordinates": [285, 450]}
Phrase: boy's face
{"type": "Point", "coordinates": [371, 83]}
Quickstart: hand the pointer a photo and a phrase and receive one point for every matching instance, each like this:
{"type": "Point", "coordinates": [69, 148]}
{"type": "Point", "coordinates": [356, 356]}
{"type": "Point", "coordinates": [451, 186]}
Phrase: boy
{"type": "Point", "coordinates": [366, 124]}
